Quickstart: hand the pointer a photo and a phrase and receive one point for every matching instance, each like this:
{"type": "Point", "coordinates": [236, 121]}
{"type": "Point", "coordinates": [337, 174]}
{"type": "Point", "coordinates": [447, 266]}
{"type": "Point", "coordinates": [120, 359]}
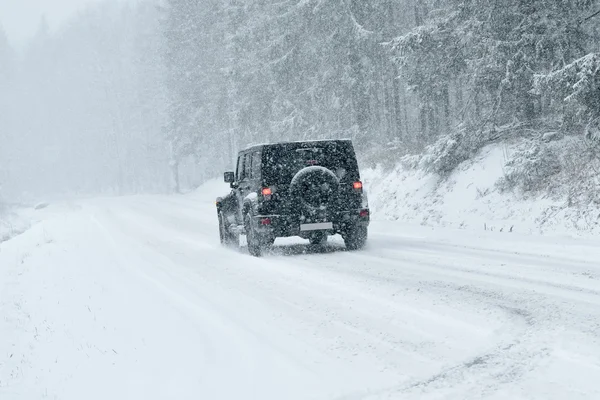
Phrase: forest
{"type": "Point", "coordinates": [160, 95]}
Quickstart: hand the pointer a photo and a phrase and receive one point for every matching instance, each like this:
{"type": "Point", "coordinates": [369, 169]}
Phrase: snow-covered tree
{"type": "Point", "coordinates": [489, 52]}
{"type": "Point", "coordinates": [393, 74]}
{"type": "Point", "coordinates": [576, 88]}
{"type": "Point", "coordinates": [197, 86]}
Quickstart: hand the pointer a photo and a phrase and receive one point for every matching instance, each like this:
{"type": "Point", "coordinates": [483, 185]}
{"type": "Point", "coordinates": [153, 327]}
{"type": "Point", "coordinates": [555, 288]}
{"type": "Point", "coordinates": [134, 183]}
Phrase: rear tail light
{"type": "Point", "coordinates": [358, 186]}
{"type": "Point", "coordinates": [265, 221]}
{"type": "Point", "coordinates": [363, 213]}
{"type": "Point", "coordinates": [267, 191]}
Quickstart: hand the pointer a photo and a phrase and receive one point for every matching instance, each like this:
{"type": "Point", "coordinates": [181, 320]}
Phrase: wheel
{"type": "Point", "coordinates": [227, 237]}
{"type": "Point", "coordinates": [314, 188]}
{"type": "Point", "coordinates": [318, 239]}
{"type": "Point", "coordinates": [221, 229]}
{"type": "Point", "coordinates": [356, 238]}
{"type": "Point", "coordinates": [256, 242]}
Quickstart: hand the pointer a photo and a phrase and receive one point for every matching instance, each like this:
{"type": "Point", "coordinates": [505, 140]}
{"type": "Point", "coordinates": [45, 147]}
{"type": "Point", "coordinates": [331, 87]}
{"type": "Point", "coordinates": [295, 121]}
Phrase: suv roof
{"type": "Point", "coordinates": [261, 145]}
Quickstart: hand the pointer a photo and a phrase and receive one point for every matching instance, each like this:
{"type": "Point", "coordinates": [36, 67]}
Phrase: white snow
{"type": "Point", "coordinates": [14, 221]}
{"type": "Point", "coordinates": [134, 298]}
{"type": "Point", "coordinates": [469, 198]}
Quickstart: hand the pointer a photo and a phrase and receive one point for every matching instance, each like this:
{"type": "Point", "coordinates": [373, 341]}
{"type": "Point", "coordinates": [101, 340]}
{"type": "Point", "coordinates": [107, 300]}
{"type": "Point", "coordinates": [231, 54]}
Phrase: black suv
{"type": "Point", "coordinates": [309, 189]}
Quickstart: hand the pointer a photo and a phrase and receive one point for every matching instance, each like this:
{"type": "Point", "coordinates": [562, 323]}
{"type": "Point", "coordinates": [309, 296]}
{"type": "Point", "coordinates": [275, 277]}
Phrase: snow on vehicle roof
{"type": "Point", "coordinates": [250, 146]}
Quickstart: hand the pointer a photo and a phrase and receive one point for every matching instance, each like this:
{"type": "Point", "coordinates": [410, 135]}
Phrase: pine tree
{"type": "Point", "coordinates": [494, 49]}
{"type": "Point", "coordinates": [197, 83]}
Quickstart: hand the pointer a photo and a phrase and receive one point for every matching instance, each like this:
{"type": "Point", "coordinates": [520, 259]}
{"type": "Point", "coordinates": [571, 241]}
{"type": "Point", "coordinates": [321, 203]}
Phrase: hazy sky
{"type": "Point", "coordinates": [20, 18]}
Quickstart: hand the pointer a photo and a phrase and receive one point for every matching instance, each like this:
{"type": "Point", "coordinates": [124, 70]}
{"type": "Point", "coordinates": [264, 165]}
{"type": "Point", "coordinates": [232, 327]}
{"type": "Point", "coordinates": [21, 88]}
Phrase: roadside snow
{"type": "Point", "coordinates": [13, 222]}
{"type": "Point", "coordinates": [470, 199]}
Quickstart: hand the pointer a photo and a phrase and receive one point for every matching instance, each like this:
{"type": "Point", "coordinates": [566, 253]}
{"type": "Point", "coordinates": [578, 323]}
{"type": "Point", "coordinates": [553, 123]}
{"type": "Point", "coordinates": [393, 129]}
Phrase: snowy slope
{"type": "Point", "coordinates": [14, 222]}
{"type": "Point", "coordinates": [133, 298]}
{"type": "Point", "coordinates": [470, 198]}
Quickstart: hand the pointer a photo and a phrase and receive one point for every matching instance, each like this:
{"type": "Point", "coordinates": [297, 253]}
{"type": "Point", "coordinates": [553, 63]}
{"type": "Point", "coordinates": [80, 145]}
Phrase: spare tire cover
{"type": "Point", "coordinates": [316, 187]}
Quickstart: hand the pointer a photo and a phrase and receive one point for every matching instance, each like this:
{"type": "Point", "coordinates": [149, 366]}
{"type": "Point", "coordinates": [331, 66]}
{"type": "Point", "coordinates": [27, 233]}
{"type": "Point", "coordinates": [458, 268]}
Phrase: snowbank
{"type": "Point", "coordinates": [471, 198]}
{"type": "Point", "coordinates": [12, 223]}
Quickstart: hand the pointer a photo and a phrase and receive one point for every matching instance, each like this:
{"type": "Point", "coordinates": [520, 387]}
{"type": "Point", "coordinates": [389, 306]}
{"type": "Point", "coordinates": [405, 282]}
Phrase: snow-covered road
{"type": "Point", "coordinates": [133, 298]}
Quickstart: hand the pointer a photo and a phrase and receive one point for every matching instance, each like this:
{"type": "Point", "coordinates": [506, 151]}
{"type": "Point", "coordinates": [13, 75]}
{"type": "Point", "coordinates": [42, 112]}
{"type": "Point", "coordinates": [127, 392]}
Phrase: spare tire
{"type": "Point", "coordinates": [316, 187]}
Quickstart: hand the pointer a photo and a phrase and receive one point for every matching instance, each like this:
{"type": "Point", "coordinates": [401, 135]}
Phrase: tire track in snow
{"type": "Point", "coordinates": [357, 330]}
{"type": "Point", "coordinates": [510, 361]}
{"type": "Point", "coordinates": [437, 274]}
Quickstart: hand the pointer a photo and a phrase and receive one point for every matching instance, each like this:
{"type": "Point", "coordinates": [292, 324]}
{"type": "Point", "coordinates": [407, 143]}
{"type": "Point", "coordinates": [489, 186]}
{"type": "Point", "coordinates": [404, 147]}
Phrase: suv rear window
{"type": "Point", "coordinates": [282, 161]}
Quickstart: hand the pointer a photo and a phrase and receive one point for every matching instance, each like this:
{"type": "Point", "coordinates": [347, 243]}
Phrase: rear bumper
{"type": "Point", "coordinates": [289, 225]}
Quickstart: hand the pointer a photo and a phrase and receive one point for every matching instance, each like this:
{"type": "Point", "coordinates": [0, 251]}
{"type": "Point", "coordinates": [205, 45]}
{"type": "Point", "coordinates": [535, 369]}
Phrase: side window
{"type": "Point", "coordinates": [256, 163]}
{"type": "Point", "coordinates": [240, 167]}
{"type": "Point", "coordinates": [248, 166]}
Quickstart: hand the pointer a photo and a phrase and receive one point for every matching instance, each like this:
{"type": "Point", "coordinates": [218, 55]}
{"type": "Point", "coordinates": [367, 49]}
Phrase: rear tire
{"type": "Point", "coordinates": [227, 237]}
{"type": "Point", "coordinates": [256, 243]}
{"type": "Point", "coordinates": [356, 238]}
